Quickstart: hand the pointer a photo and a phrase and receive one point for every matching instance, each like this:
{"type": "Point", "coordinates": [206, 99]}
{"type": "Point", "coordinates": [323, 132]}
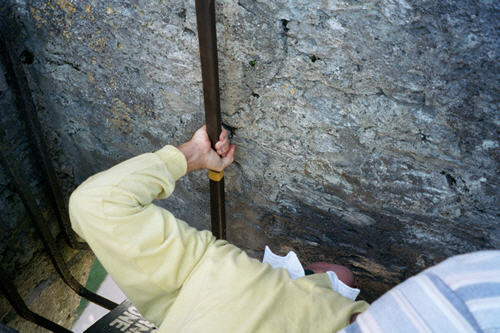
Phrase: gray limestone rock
{"type": "Point", "coordinates": [367, 131]}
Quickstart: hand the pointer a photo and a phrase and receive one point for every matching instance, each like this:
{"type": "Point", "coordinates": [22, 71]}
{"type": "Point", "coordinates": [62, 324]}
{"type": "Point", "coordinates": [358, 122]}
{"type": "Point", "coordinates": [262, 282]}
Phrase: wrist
{"type": "Point", "coordinates": [191, 155]}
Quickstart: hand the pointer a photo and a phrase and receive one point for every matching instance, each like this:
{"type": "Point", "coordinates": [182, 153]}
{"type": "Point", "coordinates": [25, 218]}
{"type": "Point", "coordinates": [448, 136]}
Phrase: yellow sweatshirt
{"type": "Point", "coordinates": [183, 279]}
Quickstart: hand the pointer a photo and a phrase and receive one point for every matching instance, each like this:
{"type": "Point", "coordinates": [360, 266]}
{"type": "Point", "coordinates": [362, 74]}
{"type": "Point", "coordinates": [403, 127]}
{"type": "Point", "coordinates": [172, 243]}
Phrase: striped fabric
{"type": "Point", "coordinates": [462, 294]}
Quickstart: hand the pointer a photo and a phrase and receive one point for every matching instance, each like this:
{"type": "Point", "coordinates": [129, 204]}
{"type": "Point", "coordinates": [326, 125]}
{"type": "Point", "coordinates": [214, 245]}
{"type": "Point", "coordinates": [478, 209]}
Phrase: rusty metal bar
{"type": "Point", "coordinates": [22, 309]}
{"type": "Point", "coordinates": [22, 80]}
{"type": "Point", "coordinates": [41, 226]}
{"type": "Point", "coordinates": [207, 37]}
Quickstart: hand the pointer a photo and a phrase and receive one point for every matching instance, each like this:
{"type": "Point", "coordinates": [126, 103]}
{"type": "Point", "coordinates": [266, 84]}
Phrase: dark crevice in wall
{"type": "Point", "coordinates": [284, 34]}
{"type": "Point", "coordinates": [27, 57]}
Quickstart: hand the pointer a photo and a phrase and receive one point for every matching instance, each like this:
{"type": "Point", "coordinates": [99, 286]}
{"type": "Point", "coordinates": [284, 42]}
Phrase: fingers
{"type": "Point", "coordinates": [216, 163]}
{"type": "Point", "coordinates": [201, 156]}
{"type": "Point", "coordinates": [222, 146]}
{"type": "Point", "coordinates": [223, 134]}
{"type": "Point", "coordinates": [229, 158]}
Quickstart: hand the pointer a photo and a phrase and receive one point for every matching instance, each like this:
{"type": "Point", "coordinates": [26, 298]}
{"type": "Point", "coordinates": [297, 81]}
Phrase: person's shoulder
{"type": "Point", "coordinates": [461, 293]}
{"type": "Point", "coordinates": [468, 265]}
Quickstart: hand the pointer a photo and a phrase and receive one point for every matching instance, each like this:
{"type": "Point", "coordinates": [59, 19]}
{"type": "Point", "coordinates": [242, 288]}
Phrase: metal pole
{"type": "Point", "coordinates": [207, 37]}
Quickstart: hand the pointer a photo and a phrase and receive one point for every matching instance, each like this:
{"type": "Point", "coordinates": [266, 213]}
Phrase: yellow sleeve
{"type": "Point", "coordinates": [147, 251]}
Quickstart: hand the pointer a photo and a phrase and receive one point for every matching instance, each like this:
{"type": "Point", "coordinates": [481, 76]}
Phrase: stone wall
{"type": "Point", "coordinates": [22, 255]}
{"type": "Point", "coordinates": [367, 130]}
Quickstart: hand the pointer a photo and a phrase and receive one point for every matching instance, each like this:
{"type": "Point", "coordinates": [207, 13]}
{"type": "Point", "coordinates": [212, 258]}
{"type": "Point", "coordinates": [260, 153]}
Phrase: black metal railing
{"type": "Point", "coordinates": [13, 166]}
{"type": "Point", "coordinates": [18, 304]}
{"type": "Point", "coordinates": [21, 85]}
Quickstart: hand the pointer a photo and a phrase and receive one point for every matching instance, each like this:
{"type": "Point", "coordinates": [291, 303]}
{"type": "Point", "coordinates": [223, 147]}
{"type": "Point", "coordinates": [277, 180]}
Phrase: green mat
{"type": "Point", "coordinates": [96, 276]}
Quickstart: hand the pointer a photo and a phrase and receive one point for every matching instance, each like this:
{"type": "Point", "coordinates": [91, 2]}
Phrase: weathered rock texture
{"type": "Point", "coordinates": [367, 131]}
{"type": "Point", "coordinates": [22, 256]}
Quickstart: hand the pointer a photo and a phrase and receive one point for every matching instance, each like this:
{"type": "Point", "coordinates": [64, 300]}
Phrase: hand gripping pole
{"type": "Point", "coordinates": [205, 16]}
